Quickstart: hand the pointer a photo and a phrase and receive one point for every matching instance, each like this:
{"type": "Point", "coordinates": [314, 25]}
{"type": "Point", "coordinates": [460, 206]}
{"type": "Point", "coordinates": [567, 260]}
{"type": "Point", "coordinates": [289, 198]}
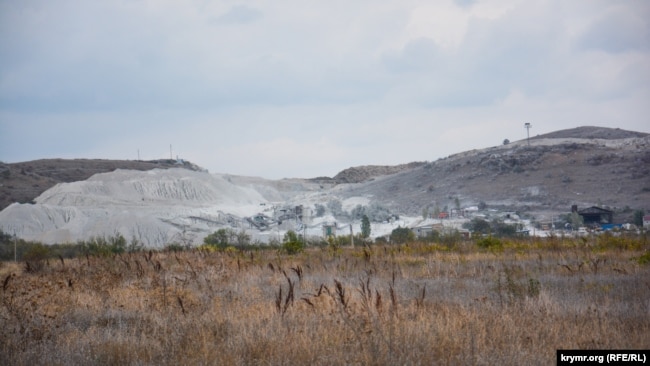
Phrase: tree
{"type": "Point", "coordinates": [500, 228]}
{"type": "Point", "coordinates": [506, 142]}
{"type": "Point", "coordinates": [365, 226]}
{"type": "Point", "coordinates": [243, 239]}
{"type": "Point", "coordinates": [292, 243]}
{"type": "Point", "coordinates": [219, 238]}
{"type": "Point", "coordinates": [402, 235]}
{"type": "Point", "coordinates": [576, 220]}
{"type": "Point", "coordinates": [478, 225]}
{"type": "Point", "coordinates": [638, 217]}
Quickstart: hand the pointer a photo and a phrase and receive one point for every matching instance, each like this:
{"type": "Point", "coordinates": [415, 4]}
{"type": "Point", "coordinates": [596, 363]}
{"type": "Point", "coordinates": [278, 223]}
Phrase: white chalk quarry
{"type": "Point", "coordinates": [159, 207]}
{"type": "Point", "coordinates": [154, 207]}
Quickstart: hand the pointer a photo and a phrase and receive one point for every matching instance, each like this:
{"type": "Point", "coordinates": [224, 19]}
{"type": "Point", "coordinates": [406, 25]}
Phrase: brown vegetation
{"type": "Point", "coordinates": [412, 304]}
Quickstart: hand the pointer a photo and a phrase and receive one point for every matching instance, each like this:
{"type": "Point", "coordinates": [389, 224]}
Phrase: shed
{"type": "Point", "coordinates": [596, 215]}
{"type": "Point", "coordinates": [423, 231]}
{"type": "Point", "coordinates": [329, 229]}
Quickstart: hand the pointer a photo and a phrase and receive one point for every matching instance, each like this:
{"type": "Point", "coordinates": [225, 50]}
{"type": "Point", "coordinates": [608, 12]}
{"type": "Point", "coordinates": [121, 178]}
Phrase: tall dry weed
{"type": "Point", "coordinates": [376, 305]}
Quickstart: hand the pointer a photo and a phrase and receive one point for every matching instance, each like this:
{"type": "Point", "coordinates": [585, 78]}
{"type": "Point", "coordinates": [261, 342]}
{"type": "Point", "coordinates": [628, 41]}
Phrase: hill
{"type": "Point", "coordinates": [591, 132]}
{"type": "Point", "coordinates": [364, 173]}
{"type": "Point", "coordinates": [540, 178]}
{"type": "Point", "coordinates": [22, 182]}
{"type": "Point", "coordinates": [549, 175]}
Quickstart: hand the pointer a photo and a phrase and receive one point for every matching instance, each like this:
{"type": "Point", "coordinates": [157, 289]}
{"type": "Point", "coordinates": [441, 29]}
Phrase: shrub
{"type": "Point", "coordinates": [34, 257]}
{"type": "Point", "coordinates": [104, 247]}
{"type": "Point", "coordinates": [515, 286]}
{"type": "Point", "coordinates": [402, 235]}
{"type": "Point", "coordinates": [644, 258]}
{"type": "Point", "coordinates": [489, 242]}
{"type": "Point", "coordinates": [175, 247]}
{"type": "Point", "coordinates": [292, 244]}
{"type": "Point", "coordinates": [478, 225]}
{"type": "Point", "coordinates": [219, 239]}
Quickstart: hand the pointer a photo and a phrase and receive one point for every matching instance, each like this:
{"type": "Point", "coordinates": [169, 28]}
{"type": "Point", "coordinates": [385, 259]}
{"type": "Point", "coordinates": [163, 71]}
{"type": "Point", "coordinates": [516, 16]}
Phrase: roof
{"type": "Point", "coordinates": [594, 210]}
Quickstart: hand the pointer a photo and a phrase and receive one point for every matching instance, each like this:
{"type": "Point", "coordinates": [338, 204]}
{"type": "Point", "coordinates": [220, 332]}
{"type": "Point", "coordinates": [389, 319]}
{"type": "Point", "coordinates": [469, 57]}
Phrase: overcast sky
{"type": "Point", "coordinates": [308, 88]}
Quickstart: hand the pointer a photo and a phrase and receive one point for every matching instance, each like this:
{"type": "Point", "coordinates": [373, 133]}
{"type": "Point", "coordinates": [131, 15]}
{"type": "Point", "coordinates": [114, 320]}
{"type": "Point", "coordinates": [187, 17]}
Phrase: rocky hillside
{"type": "Point", "coordinates": [544, 176]}
{"type": "Point", "coordinates": [22, 182]}
{"type": "Point", "coordinates": [552, 173]}
{"type": "Point", "coordinates": [590, 132]}
{"type": "Point", "coordinates": [367, 172]}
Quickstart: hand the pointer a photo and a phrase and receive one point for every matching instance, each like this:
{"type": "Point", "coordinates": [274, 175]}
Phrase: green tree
{"type": "Point", "coordinates": [292, 243]}
{"type": "Point", "coordinates": [478, 225]}
{"type": "Point", "coordinates": [219, 238]}
{"type": "Point", "coordinates": [365, 227]}
{"type": "Point", "coordinates": [500, 228]}
{"type": "Point", "coordinates": [402, 235]}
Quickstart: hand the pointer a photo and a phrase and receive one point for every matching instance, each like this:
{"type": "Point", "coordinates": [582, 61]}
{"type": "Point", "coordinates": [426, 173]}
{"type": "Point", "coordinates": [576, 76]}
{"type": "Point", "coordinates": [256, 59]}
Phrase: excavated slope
{"type": "Point", "coordinates": [155, 207]}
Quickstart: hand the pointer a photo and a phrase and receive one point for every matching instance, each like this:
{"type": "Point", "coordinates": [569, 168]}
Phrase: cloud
{"type": "Point", "coordinates": [239, 14]}
{"type": "Point", "coordinates": [619, 30]}
{"type": "Point", "coordinates": [366, 82]}
{"type": "Point", "coordinates": [418, 55]}
{"type": "Point", "coordinates": [465, 3]}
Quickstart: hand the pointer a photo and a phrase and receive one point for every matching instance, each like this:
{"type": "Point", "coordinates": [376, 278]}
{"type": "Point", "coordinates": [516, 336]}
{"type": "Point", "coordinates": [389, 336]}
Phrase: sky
{"type": "Point", "coordinates": [290, 88]}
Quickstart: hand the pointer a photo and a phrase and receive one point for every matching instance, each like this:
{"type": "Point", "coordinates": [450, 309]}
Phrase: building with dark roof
{"type": "Point", "coordinates": [595, 215]}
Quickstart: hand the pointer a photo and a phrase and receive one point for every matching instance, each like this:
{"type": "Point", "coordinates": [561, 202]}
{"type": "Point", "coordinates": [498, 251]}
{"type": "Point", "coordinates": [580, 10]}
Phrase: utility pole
{"type": "Point", "coordinates": [15, 251]}
{"type": "Point", "coordinates": [528, 126]}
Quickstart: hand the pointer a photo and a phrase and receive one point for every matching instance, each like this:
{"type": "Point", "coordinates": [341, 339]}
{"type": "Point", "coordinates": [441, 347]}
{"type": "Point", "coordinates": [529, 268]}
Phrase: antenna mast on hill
{"type": "Point", "coordinates": [527, 126]}
{"type": "Point", "coordinates": [170, 152]}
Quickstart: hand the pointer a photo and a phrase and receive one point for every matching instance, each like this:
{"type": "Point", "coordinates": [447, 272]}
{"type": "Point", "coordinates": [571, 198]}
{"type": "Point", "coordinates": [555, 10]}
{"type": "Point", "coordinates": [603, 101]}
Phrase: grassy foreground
{"type": "Point", "coordinates": [415, 304]}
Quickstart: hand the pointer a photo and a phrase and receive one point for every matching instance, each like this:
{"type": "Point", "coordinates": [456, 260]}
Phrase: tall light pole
{"type": "Point", "coordinates": [527, 126]}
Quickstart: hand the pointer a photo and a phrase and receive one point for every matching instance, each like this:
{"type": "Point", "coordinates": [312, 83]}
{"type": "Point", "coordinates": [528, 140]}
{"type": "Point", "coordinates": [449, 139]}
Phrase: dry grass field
{"type": "Point", "coordinates": [415, 304]}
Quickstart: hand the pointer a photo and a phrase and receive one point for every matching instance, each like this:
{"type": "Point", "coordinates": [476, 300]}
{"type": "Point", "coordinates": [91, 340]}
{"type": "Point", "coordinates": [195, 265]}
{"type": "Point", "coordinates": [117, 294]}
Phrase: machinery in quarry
{"type": "Point", "coordinates": [278, 215]}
